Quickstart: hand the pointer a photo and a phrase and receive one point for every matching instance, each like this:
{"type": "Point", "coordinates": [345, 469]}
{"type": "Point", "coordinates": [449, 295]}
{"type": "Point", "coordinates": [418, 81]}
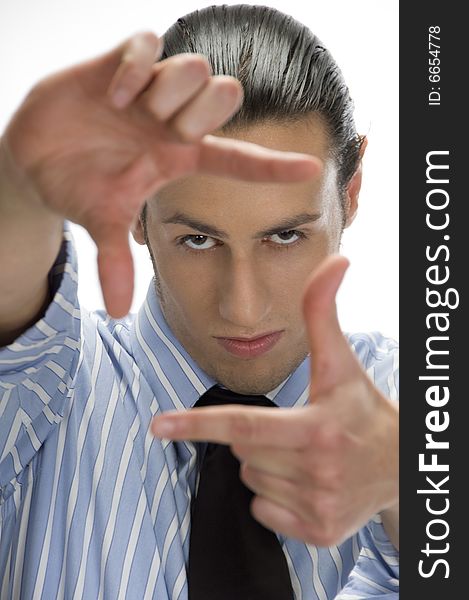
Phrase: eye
{"type": "Point", "coordinates": [286, 238]}
{"type": "Point", "coordinates": [198, 242]}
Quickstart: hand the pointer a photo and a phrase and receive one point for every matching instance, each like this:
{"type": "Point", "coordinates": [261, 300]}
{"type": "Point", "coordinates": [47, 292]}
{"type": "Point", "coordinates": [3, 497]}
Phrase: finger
{"type": "Point", "coordinates": [177, 80]}
{"type": "Point", "coordinates": [116, 272]}
{"type": "Point", "coordinates": [290, 524]}
{"type": "Point", "coordinates": [236, 424]}
{"type": "Point", "coordinates": [245, 160]}
{"type": "Point", "coordinates": [219, 99]}
{"type": "Point", "coordinates": [135, 71]}
{"type": "Point", "coordinates": [301, 500]}
{"type": "Point", "coordinates": [278, 518]}
{"type": "Point", "coordinates": [277, 489]}
{"type": "Point", "coordinates": [332, 360]}
{"type": "Point", "coordinates": [110, 232]}
{"type": "Point", "coordinates": [280, 462]}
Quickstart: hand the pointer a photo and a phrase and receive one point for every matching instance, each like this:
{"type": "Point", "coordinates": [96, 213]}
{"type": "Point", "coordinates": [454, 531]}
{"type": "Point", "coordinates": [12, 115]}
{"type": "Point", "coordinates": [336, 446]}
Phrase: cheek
{"type": "Point", "coordinates": [285, 272]}
{"type": "Point", "coordinates": [185, 284]}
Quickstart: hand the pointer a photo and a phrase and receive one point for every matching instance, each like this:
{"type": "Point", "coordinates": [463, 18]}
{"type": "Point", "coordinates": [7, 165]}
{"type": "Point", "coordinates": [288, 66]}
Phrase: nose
{"type": "Point", "coordinates": [245, 300]}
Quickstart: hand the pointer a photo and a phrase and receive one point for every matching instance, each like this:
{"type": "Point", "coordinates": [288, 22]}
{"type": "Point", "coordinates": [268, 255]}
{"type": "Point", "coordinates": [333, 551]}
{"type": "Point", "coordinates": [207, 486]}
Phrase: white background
{"type": "Point", "coordinates": [38, 37]}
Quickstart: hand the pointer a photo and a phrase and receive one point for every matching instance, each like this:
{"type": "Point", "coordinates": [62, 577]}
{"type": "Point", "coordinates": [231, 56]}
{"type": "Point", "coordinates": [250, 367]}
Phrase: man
{"type": "Point", "coordinates": [93, 505]}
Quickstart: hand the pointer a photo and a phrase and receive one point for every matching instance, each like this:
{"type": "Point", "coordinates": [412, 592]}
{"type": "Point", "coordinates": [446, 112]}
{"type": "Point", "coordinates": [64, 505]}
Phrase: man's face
{"type": "Point", "coordinates": [231, 260]}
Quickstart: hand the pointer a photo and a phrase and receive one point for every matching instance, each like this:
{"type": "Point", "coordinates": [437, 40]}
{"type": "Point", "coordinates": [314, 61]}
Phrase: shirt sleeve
{"type": "Point", "coordinates": [376, 572]}
{"type": "Point", "coordinates": [37, 371]}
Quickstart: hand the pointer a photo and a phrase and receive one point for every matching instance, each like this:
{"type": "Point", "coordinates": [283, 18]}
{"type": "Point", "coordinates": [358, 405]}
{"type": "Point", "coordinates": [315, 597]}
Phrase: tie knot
{"type": "Point", "coordinates": [218, 395]}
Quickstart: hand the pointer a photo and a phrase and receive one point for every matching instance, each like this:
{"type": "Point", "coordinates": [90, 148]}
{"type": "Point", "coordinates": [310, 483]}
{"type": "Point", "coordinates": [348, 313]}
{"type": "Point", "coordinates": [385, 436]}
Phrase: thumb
{"type": "Point", "coordinates": [116, 269]}
{"type": "Point", "coordinates": [332, 360]}
{"type": "Point", "coordinates": [110, 231]}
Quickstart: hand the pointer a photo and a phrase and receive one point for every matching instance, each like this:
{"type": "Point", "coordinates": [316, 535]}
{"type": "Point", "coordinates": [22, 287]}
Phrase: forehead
{"type": "Point", "coordinates": [303, 134]}
{"type": "Point", "coordinates": [234, 200]}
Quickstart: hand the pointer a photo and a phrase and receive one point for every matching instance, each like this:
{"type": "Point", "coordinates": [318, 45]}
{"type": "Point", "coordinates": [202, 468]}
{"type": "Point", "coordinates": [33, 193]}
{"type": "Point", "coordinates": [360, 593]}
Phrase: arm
{"type": "Point", "coordinates": [390, 518]}
{"type": "Point", "coordinates": [385, 368]}
{"type": "Point", "coordinates": [37, 373]}
{"type": "Point", "coordinates": [376, 572]}
{"type": "Point", "coordinates": [30, 239]}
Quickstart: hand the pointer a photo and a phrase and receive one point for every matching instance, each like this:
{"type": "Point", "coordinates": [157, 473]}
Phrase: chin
{"type": "Point", "coordinates": [250, 378]}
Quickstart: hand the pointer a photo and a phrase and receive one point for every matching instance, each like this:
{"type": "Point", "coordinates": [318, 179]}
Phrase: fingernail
{"type": "Point", "coordinates": [162, 427]}
{"type": "Point", "coordinates": [120, 97]}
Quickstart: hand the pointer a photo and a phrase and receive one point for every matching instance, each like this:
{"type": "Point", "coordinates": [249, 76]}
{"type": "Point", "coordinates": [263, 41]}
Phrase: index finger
{"type": "Point", "coordinates": [244, 160]}
{"type": "Point", "coordinates": [235, 424]}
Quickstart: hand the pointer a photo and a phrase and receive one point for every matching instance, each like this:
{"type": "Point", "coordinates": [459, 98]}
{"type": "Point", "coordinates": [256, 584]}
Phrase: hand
{"type": "Point", "coordinates": [93, 142]}
{"type": "Point", "coordinates": [321, 471]}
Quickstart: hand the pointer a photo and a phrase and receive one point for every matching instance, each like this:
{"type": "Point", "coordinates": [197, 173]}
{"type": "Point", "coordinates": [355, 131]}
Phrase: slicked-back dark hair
{"type": "Point", "coordinates": [285, 71]}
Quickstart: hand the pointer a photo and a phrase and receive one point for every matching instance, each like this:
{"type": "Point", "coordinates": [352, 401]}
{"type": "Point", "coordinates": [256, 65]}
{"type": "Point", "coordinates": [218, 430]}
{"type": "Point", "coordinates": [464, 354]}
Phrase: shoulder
{"type": "Point", "coordinates": [372, 347]}
{"type": "Point", "coordinates": [113, 333]}
{"type": "Point", "coordinates": [379, 356]}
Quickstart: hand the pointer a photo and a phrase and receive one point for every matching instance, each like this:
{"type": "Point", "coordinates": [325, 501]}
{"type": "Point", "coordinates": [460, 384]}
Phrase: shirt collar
{"type": "Point", "coordinates": [165, 362]}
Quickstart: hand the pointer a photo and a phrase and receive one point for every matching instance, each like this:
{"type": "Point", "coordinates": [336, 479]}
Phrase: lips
{"type": "Point", "coordinates": [250, 348]}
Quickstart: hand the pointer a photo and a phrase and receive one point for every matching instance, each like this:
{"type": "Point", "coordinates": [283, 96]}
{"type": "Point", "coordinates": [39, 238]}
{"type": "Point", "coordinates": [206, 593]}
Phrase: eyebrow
{"type": "Point", "coordinates": [207, 229]}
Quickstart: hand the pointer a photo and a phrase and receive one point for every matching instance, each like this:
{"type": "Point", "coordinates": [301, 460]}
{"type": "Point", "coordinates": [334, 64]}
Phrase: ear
{"type": "Point", "coordinates": [137, 230]}
{"type": "Point", "coordinates": [354, 186]}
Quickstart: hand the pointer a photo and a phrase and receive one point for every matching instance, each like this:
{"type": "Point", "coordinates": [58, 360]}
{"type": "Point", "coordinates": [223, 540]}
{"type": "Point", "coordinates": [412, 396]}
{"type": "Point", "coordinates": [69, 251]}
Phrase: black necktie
{"type": "Point", "coordinates": [231, 555]}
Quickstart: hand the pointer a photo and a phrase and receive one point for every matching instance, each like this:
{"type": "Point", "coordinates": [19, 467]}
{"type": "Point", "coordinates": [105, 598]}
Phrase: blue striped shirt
{"type": "Point", "coordinates": [91, 504]}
